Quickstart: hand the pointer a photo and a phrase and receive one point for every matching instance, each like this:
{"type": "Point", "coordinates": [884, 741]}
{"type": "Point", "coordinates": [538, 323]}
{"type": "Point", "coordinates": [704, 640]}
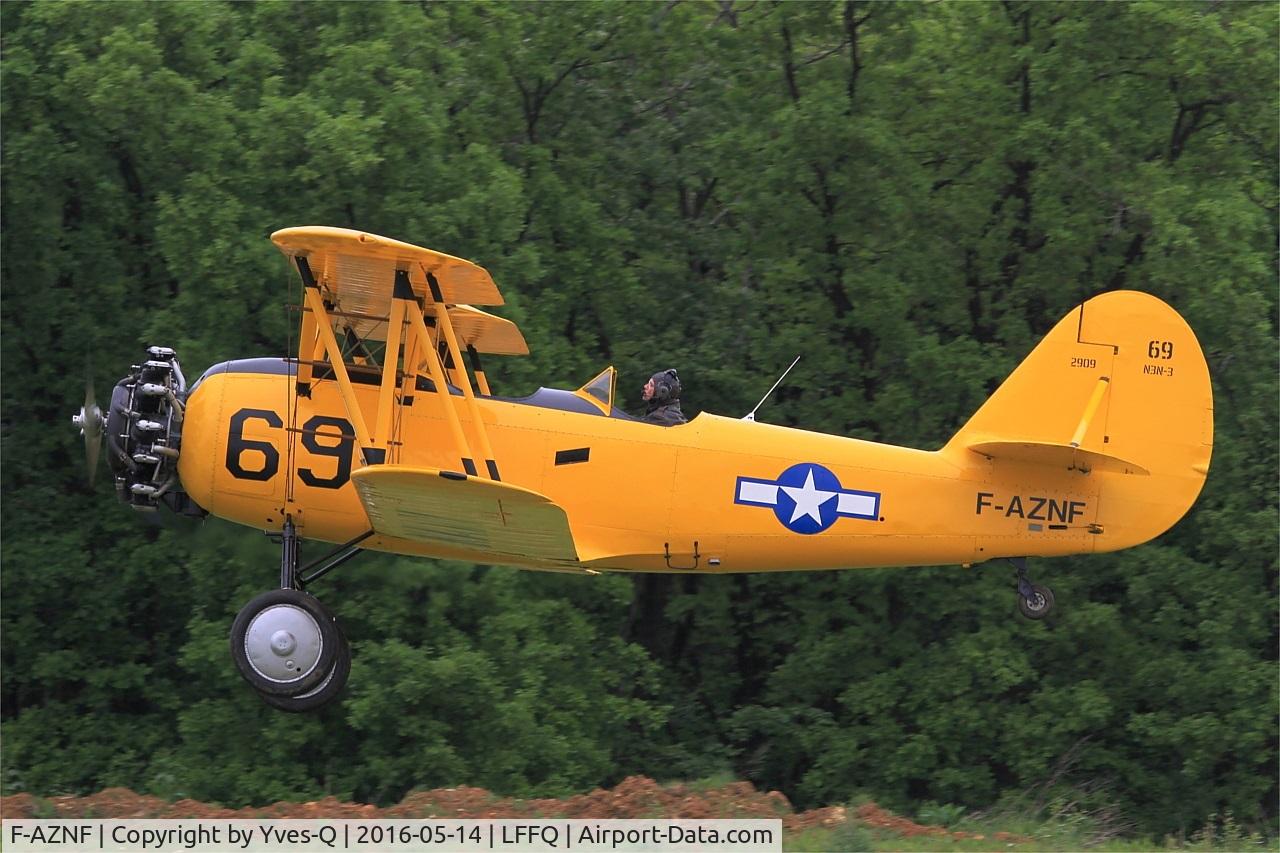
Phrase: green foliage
{"type": "Point", "coordinates": [909, 195]}
{"type": "Point", "coordinates": [851, 835]}
{"type": "Point", "coordinates": [1049, 832]}
{"type": "Point", "coordinates": [1221, 832]}
{"type": "Point", "coordinates": [940, 814]}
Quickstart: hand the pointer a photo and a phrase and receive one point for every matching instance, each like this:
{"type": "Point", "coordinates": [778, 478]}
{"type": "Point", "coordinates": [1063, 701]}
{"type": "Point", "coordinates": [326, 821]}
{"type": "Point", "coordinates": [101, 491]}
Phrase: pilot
{"type": "Point", "coordinates": [662, 399]}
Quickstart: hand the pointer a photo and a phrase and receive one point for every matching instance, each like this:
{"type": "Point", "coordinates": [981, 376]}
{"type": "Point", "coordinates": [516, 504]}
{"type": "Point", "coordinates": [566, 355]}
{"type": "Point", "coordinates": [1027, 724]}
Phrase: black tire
{"type": "Point", "coordinates": [1039, 605]}
{"type": "Point", "coordinates": [322, 695]}
{"type": "Point", "coordinates": [284, 642]}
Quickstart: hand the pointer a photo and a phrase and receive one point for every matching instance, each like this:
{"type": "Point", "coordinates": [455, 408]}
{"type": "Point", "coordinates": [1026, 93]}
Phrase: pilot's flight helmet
{"type": "Point", "coordinates": [666, 386]}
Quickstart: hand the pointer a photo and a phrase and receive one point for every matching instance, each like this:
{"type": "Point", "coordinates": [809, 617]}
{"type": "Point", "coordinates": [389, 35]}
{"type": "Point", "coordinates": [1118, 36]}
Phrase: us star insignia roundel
{"type": "Point", "coordinates": [807, 498]}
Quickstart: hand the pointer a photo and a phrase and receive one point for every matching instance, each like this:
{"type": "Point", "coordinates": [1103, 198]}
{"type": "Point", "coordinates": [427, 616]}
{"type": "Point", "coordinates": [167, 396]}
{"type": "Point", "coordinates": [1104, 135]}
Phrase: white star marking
{"type": "Point", "coordinates": [808, 499]}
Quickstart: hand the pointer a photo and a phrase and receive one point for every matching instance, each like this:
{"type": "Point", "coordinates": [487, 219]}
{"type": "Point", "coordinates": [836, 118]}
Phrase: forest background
{"type": "Point", "coordinates": [907, 194]}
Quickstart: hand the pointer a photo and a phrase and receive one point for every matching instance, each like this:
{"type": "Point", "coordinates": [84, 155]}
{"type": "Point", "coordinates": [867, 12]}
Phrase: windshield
{"type": "Point", "coordinates": [600, 388]}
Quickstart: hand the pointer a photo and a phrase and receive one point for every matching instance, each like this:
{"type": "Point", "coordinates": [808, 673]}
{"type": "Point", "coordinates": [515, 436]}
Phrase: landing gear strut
{"type": "Point", "coordinates": [288, 645]}
{"type": "Point", "coordinates": [1034, 601]}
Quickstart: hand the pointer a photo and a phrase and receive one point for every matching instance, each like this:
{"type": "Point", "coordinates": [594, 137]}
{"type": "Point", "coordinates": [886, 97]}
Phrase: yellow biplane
{"type": "Point", "coordinates": [382, 433]}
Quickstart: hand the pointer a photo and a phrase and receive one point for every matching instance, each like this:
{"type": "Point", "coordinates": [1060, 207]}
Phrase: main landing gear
{"type": "Point", "coordinates": [288, 645]}
{"type": "Point", "coordinates": [1034, 601]}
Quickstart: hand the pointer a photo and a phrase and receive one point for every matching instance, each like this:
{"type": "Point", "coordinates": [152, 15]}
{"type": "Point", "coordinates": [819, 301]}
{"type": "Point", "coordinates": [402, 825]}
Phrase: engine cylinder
{"type": "Point", "coordinates": [144, 434]}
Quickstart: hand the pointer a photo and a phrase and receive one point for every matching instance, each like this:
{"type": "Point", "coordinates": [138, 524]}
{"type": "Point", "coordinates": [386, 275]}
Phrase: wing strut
{"type": "Point", "coordinates": [481, 382]}
{"type": "Point", "coordinates": [418, 327]}
{"type": "Point", "coordinates": [445, 326]}
{"type": "Point", "coordinates": [406, 308]}
{"type": "Point", "coordinates": [387, 391]}
{"type": "Point", "coordinates": [372, 455]}
{"type": "Point", "coordinates": [309, 346]}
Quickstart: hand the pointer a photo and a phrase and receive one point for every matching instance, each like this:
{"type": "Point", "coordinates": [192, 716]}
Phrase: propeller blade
{"type": "Point", "coordinates": [90, 421]}
{"type": "Point", "coordinates": [92, 448]}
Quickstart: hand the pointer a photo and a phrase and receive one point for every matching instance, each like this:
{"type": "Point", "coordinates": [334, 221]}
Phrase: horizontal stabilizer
{"type": "Point", "coordinates": [429, 505]}
{"type": "Point", "coordinates": [1057, 454]}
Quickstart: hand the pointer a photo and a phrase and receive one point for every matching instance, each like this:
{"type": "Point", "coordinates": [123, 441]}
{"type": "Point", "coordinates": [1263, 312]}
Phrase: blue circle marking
{"type": "Point", "coordinates": [808, 495]}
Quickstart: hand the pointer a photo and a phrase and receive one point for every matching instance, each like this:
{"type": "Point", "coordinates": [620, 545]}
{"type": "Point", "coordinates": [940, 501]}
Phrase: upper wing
{"type": "Point", "coordinates": [426, 504]}
{"type": "Point", "coordinates": [486, 332]}
{"type": "Point", "coordinates": [357, 269]}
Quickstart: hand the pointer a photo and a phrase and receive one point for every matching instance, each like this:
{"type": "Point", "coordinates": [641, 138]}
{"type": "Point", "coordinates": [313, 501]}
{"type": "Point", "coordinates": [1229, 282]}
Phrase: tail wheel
{"type": "Point", "coordinates": [285, 642]}
{"type": "Point", "coordinates": [325, 693]}
{"type": "Point", "coordinates": [1038, 604]}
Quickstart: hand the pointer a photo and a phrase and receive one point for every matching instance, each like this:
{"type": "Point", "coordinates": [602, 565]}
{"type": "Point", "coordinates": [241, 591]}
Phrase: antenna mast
{"type": "Point", "coordinates": [751, 415]}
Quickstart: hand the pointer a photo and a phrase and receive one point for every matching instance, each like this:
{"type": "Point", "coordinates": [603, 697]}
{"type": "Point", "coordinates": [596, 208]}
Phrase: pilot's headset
{"type": "Point", "coordinates": [666, 386]}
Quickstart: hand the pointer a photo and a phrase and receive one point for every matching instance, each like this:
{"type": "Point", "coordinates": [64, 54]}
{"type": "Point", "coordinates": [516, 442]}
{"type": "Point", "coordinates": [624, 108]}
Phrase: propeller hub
{"type": "Point", "coordinates": [90, 421]}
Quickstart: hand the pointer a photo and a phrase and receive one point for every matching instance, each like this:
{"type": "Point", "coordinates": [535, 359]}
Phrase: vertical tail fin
{"type": "Point", "coordinates": [1118, 390]}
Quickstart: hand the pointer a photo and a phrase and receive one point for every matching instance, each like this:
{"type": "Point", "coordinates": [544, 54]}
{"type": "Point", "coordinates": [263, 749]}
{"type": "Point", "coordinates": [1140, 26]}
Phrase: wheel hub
{"type": "Point", "coordinates": [283, 643]}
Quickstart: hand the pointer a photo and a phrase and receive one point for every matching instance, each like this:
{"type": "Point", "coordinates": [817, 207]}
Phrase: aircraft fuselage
{"type": "Point", "coordinates": [714, 495]}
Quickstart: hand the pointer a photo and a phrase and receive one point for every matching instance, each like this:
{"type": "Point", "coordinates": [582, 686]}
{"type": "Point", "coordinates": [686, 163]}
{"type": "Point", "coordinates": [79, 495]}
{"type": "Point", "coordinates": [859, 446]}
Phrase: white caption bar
{"type": "Point", "coordinates": [386, 836]}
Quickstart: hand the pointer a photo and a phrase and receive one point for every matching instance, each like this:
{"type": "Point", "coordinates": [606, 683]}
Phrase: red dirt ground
{"type": "Point", "coordinates": [634, 797]}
